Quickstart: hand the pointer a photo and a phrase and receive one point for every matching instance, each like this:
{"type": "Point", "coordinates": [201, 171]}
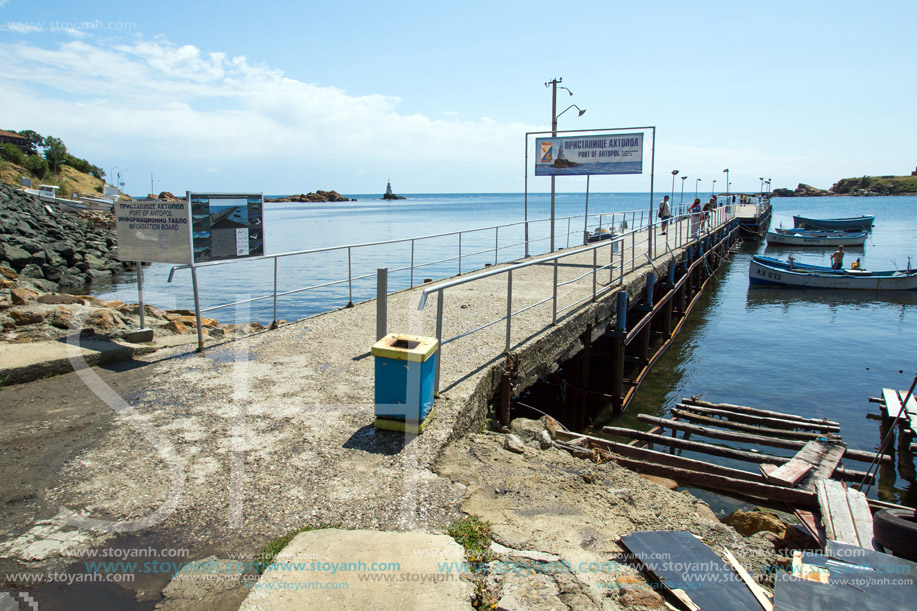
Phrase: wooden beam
{"type": "Point", "coordinates": [832, 499]}
{"type": "Point", "coordinates": [748, 428]}
{"type": "Point", "coordinates": [750, 583]}
{"type": "Point", "coordinates": [743, 409]}
{"type": "Point", "coordinates": [788, 444]}
{"type": "Point", "coordinates": [828, 463]}
{"type": "Point", "coordinates": [780, 423]}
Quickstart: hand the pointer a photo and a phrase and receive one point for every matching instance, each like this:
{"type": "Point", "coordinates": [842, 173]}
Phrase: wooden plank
{"type": "Point", "coordinates": [893, 405]}
{"type": "Point", "coordinates": [711, 481]}
{"type": "Point", "coordinates": [756, 590]}
{"type": "Point", "coordinates": [748, 428]}
{"type": "Point", "coordinates": [779, 423]}
{"type": "Point", "coordinates": [862, 517]}
{"type": "Point", "coordinates": [847, 475]}
{"type": "Point", "coordinates": [673, 460]}
{"type": "Point", "coordinates": [825, 514]}
{"type": "Point", "coordinates": [811, 524]}
{"type": "Point", "coordinates": [744, 409]}
{"type": "Point", "coordinates": [828, 463]}
{"type": "Point", "coordinates": [832, 498]}
{"type": "Point", "coordinates": [789, 474]}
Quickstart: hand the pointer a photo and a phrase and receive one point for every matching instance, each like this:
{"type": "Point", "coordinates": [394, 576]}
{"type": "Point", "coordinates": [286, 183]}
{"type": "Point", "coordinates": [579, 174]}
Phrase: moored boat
{"type": "Point", "coordinates": [859, 223]}
{"type": "Point", "coordinates": [815, 237]}
{"type": "Point", "coordinates": [768, 271]}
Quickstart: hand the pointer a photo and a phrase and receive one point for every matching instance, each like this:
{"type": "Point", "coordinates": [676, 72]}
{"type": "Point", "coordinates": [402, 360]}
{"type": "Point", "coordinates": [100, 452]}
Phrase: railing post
{"type": "Point", "coordinates": [439, 340]}
{"type": "Point", "coordinates": [349, 278]}
{"type": "Point", "coordinates": [381, 302]}
{"type": "Point", "coordinates": [412, 263]}
{"type": "Point", "coordinates": [509, 308]}
{"type": "Point", "coordinates": [568, 232]}
{"type": "Point", "coordinates": [554, 299]}
{"type": "Point", "coordinates": [275, 289]}
{"type": "Point", "coordinates": [633, 251]}
{"type": "Point", "coordinates": [496, 244]}
{"type": "Point", "coordinates": [460, 253]}
{"type": "Point", "coordinates": [595, 265]}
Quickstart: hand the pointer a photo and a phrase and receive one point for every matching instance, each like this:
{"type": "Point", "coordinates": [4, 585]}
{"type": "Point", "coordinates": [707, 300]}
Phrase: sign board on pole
{"type": "Point", "coordinates": [587, 155]}
{"type": "Point", "coordinates": [153, 231]}
{"type": "Point", "coordinates": [226, 225]}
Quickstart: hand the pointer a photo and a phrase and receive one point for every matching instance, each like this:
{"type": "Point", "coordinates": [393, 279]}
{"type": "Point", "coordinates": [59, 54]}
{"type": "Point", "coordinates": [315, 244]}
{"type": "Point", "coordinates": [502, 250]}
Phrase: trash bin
{"type": "Point", "coordinates": [404, 381]}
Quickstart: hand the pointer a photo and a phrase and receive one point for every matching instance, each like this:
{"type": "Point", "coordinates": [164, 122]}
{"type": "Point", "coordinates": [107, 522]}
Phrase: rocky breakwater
{"type": "Point", "coordinates": [318, 196]}
{"type": "Point", "coordinates": [54, 248]}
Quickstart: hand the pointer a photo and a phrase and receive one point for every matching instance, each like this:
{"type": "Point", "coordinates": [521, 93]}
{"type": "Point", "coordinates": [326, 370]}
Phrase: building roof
{"type": "Point", "coordinates": [7, 134]}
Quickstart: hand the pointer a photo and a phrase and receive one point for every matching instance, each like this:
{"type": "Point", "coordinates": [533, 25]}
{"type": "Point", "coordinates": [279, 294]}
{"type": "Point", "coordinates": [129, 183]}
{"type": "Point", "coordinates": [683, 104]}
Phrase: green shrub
{"type": "Point", "coordinates": [13, 153]}
{"type": "Point", "coordinates": [36, 165]}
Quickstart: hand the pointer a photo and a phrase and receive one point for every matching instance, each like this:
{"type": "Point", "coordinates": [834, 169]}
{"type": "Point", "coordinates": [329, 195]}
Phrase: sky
{"type": "Point", "coordinates": [280, 97]}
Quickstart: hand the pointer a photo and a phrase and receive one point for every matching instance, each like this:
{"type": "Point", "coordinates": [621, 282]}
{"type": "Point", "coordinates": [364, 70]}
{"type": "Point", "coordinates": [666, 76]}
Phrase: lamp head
{"type": "Point", "coordinates": [674, 172]}
{"type": "Point", "coordinates": [582, 112]}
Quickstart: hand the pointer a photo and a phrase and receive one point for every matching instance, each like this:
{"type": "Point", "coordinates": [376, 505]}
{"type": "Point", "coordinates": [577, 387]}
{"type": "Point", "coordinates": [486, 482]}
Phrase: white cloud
{"type": "Point", "coordinates": [179, 105]}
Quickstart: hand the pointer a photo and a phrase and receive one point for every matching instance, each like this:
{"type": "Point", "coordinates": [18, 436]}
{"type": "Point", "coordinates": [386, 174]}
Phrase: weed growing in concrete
{"type": "Point", "coordinates": [473, 534]}
{"type": "Point", "coordinates": [270, 550]}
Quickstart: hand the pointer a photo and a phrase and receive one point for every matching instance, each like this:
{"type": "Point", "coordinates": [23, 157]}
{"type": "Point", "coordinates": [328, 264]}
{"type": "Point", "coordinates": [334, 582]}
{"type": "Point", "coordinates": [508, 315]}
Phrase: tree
{"type": "Point", "coordinates": [55, 152]}
{"type": "Point", "coordinates": [35, 140]}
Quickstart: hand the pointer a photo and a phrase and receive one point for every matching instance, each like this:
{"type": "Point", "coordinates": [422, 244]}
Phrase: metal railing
{"type": "Point", "coordinates": [680, 230]}
{"type": "Point", "coordinates": [632, 219]}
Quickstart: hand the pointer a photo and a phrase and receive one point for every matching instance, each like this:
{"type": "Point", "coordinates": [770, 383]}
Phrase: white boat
{"type": "Point", "coordinates": [47, 194]}
{"type": "Point", "coordinates": [808, 237]}
{"type": "Point", "coordinates": [768, 271]}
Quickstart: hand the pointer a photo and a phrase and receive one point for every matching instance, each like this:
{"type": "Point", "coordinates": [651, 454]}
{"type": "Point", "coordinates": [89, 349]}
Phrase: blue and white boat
{"type": "Point", "coordinates": [773, 272]}
{"type": "Point", "coordinates": [859, 223]}
{"type": "Point", "coordinates": [815, 237]}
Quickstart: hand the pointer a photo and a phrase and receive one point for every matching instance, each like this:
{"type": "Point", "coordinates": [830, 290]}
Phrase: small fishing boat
{"type": "Point", "coordinates": [600, 234]}
{"type": "Point", "coordinates": [859, 223]}
{"type": "Point", "coordinates": [768, 271]}
{"type": "Point", "coordinates": [815, 237]}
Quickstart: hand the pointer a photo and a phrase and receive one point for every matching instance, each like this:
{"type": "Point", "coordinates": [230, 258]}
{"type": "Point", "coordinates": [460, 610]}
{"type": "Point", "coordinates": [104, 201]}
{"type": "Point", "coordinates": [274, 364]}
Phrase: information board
{"type": "Point", "coordinates": [153, 231]}
{"type": "Point", "coordinates": [226, 225]}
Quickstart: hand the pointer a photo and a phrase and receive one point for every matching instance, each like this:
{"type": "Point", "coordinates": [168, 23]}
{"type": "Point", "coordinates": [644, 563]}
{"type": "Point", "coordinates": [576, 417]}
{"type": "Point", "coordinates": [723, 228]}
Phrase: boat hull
{"type": "Point", "coordinates": [808, 238]}
{"type": "Point", "coordinates": [860, 223]}
{"type": "Point", "coordinates": [761, 272]}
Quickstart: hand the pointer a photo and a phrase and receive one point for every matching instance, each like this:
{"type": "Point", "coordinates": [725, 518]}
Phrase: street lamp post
{"type": "Point", "coordinates": [696, 183]}
{"type": "Point", "coordinates": [713, 189]}
{"type": "Point", "coordinates": [762, 183]}
{"type": "Point", "coordinates": [681, 201]}
{"type": "Point", "coordinates": [111, 176]}
{"type": "Point", "coordinates": [554, 115]}
{"type": "Point", "coordinates": [674, 173]}
{"type": "Point", "coordinates": [727, 182]}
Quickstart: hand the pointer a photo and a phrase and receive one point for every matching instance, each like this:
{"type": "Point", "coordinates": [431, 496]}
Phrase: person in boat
{"type": "Point", "coordinates": [837, 259]}
{"type": "Point", "coordinates": [856, 264]}
{"type": "Point", "coordinates": [665, 212]}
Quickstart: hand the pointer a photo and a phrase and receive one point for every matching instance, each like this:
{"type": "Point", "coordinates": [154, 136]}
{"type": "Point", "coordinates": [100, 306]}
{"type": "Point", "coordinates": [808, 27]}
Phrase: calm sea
{"type": "Point", "coordinates": [814, 353]}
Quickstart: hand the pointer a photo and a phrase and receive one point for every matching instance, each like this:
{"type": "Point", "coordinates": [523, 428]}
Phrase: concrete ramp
{"type": "Point", "coordinates": [363, 569]}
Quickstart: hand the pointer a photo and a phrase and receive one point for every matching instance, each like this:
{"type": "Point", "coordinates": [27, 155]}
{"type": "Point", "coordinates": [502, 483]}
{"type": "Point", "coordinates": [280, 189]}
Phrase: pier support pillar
{"type": "Point", "coordinates": [617, 343]}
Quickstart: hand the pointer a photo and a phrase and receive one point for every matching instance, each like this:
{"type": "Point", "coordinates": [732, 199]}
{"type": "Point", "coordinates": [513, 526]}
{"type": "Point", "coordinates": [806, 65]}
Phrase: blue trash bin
{"type": "Point", "coordinates": [404, 381]}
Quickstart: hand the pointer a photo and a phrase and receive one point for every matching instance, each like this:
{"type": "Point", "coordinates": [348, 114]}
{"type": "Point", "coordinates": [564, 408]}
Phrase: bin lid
{"type": "Point", "coordinates": [406, 347]}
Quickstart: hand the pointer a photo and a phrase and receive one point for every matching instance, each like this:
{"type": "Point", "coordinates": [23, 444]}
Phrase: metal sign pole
{"type": "Point", "coordinates": [140, 293]}
{"type": "Point", "coordinates": [197, 310]}
{"type": "Point", "coordinates": [651, 226]}
{"type": "Point", "coordinates": [586, 215]}
{"type": "Point", "coordinates": [526, 198]}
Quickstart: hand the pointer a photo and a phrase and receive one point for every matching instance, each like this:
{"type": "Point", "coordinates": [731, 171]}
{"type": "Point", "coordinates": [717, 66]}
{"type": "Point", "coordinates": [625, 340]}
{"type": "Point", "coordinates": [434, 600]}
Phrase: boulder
{"type": "Point", "coordinates": [8, 273]}
{"type": "Point", "coordinates": [31, 271]}
{"type": "Point", "coordinates": [61, 318]}
{"type": "Point", "coordinates": [63, 298]}
{"type": "Point", "coordinates": [104, 320]}
{"type": "Point", "coordinates": [20, 296]}
{"type": "Point", "coordinates": [173, 326]}
{"type": "Point", "coordinates": [17, 257]}
{"type": "Point", "coordinates": [513, 444]}
{"type": "Point", "coordinates": [527, 430]}
{"type": "Point", "coordinates": [25, 317]}
{"type": "Point", "coordinates": [665, 482]}
{"type": "Point", "coordinates": [748, 523]}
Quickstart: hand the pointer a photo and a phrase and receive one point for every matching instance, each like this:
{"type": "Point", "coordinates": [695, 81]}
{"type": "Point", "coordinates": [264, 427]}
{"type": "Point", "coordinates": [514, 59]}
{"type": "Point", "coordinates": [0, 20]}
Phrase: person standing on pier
{"type": "Point", "coordinates": [696, 217]}
{"type": "Point", "coordinates": [664, 212]}
{"type": "Point", "coordinates": [837, 259]}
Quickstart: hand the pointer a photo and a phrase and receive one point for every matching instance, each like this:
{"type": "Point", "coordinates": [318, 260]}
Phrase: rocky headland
{"type": "Point", "coordinates": [318, 196]}
{"type": "Point", "coordinates": [54, 249]}
{"type": "Point", "coordinates": [862, 186]}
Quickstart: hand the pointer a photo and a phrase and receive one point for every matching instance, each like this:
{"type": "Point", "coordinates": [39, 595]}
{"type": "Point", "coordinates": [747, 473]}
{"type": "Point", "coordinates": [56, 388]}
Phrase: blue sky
{"type": "Point", "coordinates": [291, 97]}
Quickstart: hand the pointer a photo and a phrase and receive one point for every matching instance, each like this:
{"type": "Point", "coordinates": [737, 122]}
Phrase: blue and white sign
{"type": "Point", "coordinates": [595, 154]}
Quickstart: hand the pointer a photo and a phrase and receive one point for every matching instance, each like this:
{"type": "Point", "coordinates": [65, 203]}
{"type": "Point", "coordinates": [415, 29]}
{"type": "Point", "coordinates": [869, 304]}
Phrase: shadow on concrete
{"type": "Point", "coordinates": [377, 441]}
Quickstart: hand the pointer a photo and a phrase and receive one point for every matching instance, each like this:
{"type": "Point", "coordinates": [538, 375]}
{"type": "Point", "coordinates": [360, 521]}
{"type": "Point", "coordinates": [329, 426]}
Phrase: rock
{"type": "Point", "coordinates": [23, 318]}
{"type": "Point", "coordinates": [665, 482]}
{"type": "Point", "coordinates": [633, 592]}
{"type": "Point", "coordinates": [115, 304]}
{"type": "Point", "coordinates": [174, 326]}
{"type": "Point", "coordinates": [31, 271]}
{"type": "Point", "coordinates": [52, 273]}
{"type": "Point", "coordinates": [7, 273]}
{"type": "Point", "coordinates": [139, 336]}
{"type": "Point", "coordinates": [8, 284]}
{"type": "Point", "coordinates": [5, 302]}
{"type": "Point", "coordinates": [70, 280]}
{"type": "Point", "coordinates": [544, 440]}
{"type": "Point", "coordinates": [20, 296]}
{"type": "Point", "coordinates": [62, 299]}
{"type": "Point", "coordinates": [61, 318]}
{"type": "Point", "coordinates": [748, 523]}
{"type": "Point", "coordinates": [527, 430]}
{"type": "Point", "coordinates": [513, 444]}
{"type": "Point", "coordinates": [17, 257]}
{"type": "Point", "coordinates": [104, 320]}
{"type": "Point", "coordinates": [180, 313]}
{"type": "Point", "coordinates": [551, 425]}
